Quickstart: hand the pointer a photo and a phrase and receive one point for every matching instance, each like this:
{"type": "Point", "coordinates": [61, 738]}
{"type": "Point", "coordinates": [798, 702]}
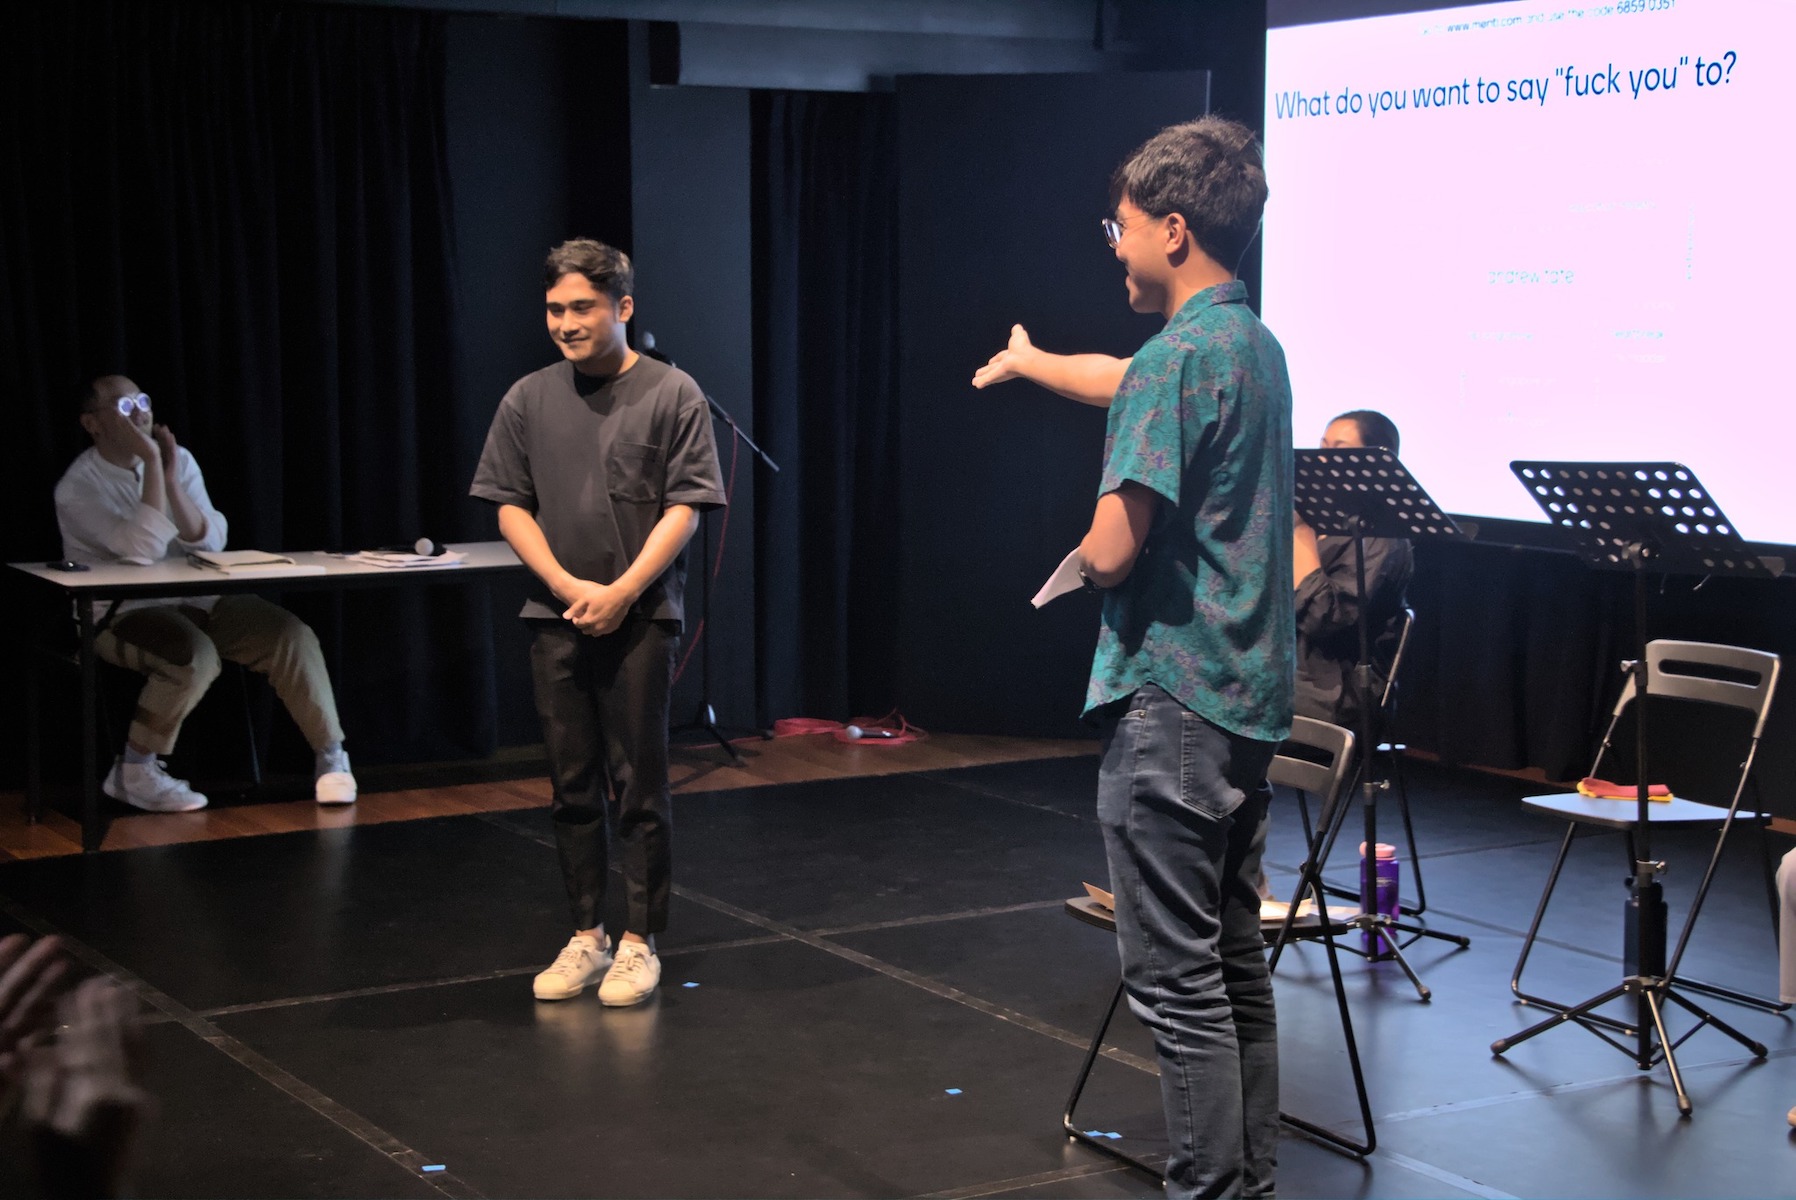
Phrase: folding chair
{"type": "Point", "coordinates": [1693, 671]}
{"type": "Point", "coordinates": [1317, 758]}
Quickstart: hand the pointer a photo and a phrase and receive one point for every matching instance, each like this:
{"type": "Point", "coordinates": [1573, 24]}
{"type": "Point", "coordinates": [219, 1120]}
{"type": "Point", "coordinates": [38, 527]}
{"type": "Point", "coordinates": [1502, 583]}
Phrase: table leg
{"type": "Point", "coordinates": [92, 827]}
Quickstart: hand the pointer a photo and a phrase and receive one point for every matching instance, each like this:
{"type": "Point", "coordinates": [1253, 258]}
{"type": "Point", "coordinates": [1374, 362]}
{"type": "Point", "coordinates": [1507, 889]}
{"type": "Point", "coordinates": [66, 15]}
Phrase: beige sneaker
{"type": "Point", "coordinates": [582, 961]}
{"type": "Point", "coordinates": [632, 978]}
{"type": "Point", "coordinates": [335, 783]}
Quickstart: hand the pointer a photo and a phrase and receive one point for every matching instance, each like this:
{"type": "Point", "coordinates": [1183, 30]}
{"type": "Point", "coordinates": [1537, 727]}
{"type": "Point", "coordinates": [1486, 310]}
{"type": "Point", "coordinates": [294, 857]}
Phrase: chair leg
{"type": "Point", "coordinates": [1072, 1101]}
{"type": "Point", "coordinates": [34, 746]}
{"type": "Point", "coordinates": [1540, 911]}
{"type": "Point", "coordinates": [1763, 1003]}
{"type": "Point", "coordinates": [1309, 884]}
{"type": "Point", "coordinates": [1091, 1058]}
{"type": "Point", "coordinates": [249, 728]}
{"type": "Point", "coordinates": [1321, 1133]}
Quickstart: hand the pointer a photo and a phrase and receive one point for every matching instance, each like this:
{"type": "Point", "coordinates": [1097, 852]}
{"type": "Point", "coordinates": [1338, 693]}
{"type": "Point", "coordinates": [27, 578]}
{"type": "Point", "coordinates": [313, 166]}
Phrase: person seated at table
{"type": "Point", "coordinates": [1328, 596]}
{"type": "Point", "coordinates": [136, 496]}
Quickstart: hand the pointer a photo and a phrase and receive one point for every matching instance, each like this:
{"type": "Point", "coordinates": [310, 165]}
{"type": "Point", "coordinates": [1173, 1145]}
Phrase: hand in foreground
{"type": "Point", "coordinates": [597, 609]}
{"type": "Point", "coordinates": [1007, 363]}
{"type": "Point", "coordinates": [81, 1102]}
{"type": "Point", "coordinates": [29, 975]}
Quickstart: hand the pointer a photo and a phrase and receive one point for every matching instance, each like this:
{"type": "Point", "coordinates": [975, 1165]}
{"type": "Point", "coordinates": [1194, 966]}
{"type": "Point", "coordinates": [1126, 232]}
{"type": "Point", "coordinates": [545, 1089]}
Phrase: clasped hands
{"type": "Point", "coordinates": [596, 609]}
{"type": "Point", "coordinates": [130, 438]}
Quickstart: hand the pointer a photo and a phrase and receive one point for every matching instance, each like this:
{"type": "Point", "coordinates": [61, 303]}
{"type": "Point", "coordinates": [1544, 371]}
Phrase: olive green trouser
{"type": "Point", "coordinates": [179, 649]}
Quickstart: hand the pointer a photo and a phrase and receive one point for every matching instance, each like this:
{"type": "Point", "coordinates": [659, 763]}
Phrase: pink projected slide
{"type": "Point", "coordinates": [1546, 231]}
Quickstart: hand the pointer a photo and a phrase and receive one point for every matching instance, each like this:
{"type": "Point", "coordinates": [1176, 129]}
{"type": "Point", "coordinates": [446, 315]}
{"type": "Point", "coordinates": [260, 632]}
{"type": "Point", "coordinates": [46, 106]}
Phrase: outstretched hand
{"type": "Point", "coordinates": [1008, 363]}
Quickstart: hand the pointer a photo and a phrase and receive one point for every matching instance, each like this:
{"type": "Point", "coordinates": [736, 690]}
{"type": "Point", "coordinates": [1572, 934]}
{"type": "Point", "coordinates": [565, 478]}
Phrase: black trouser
{"type": "Point", "coordinates": [603, 703]}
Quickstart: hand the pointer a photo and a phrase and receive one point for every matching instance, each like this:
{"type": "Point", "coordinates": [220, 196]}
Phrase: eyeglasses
{"type": "Point", "coordinates": [140, 402]}
{"type": "Point", "coordinates": [1114, 230]}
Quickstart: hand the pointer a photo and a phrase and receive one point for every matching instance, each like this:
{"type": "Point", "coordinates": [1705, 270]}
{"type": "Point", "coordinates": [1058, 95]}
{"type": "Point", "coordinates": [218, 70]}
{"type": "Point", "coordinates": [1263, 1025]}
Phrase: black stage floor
{"type": "Point", "coordinates": [870, 989]}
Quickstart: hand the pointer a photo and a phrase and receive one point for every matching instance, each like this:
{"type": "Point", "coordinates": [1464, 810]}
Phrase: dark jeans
{"type": "Point", "coordinates": [1183, 805]}
{"type": "Point", "coordinates": [603, 703]}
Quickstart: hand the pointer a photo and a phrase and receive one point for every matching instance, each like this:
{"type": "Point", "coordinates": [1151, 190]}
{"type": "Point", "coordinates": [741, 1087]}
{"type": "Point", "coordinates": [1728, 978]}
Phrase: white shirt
{"type": "Point", "coordinates": [100, 510]}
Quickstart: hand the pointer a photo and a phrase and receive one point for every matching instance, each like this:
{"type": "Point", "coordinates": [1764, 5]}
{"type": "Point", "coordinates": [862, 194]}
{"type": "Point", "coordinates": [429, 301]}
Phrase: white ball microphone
{"type": "Point", "coordinates": [856, 732]}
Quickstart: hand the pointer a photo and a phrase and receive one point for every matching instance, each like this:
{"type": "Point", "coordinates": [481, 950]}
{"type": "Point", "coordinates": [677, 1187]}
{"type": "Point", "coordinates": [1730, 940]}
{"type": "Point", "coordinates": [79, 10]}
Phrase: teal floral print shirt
{"type": "Point", "coordinates": [1203, 418]}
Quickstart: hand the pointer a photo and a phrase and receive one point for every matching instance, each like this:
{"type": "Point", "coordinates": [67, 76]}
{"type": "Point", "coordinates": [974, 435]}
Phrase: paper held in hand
{"type": "Point", "coordinates": [251, 562]}
{"type": "Point", "coordinates": [1066, 578]}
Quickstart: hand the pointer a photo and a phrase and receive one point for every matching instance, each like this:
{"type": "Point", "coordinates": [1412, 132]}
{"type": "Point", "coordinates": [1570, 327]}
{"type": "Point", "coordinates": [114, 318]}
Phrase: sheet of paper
{"type": "Point", "coordinates": [1065, 579]}
{"type": "Point", "coordinates": [399, 558]}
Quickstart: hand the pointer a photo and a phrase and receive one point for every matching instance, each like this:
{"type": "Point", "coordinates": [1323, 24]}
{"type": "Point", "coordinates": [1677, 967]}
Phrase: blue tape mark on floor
{"type": "Point", "coordinates": [689, 985]}
{"type": "Point", "coordinates": [954, 1091]}
{"type": "Point", "coordinates": [435, 1167]}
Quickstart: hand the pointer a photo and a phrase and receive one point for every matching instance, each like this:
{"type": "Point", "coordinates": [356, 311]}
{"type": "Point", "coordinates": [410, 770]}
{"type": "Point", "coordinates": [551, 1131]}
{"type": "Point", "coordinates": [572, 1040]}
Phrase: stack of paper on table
{"type": "Point", "coordinates": [251, 562]}
{"type": "Point", "coordinates": [405, 558]}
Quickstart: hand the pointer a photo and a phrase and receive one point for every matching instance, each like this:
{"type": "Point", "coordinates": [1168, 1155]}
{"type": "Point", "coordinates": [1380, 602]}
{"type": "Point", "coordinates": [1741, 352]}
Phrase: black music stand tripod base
{"type": "Point", "coordinates": [1362, 493]}
{"type": "Point", "coordinates": [1625, 516]}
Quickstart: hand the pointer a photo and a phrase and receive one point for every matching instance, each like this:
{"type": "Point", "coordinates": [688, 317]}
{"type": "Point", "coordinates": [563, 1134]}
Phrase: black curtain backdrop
{"type": "Point", "coordinates": [246, 208]}
{"type": "Point", "coordinates": [827, 526]}
{"type": "Point", "coordinates": [1516, 664]}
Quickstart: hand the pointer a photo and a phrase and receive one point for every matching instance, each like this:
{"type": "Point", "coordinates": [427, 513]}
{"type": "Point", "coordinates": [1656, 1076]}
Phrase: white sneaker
{"type": "Point", "coordinates": [335, 784]}
{"type": "Point", "coordinates": [632, 978]}
{"type": "Point", "coordinates": [150, 787]}
{"type": "Point", "coordinates": [582, 961]}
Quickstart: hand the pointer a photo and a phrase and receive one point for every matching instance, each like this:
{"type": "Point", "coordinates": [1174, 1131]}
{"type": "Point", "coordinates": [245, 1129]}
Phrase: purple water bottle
{"type": "Point", "coordinates": [1384, 889]}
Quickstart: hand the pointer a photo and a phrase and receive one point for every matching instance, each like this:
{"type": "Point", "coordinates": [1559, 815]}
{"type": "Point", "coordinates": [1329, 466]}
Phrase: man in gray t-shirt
{"type": "Point", "coordinates": [600, 466]}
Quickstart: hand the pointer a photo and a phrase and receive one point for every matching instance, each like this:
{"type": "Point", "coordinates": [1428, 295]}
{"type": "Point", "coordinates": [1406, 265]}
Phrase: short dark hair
{"type": "Point", "coordinates": [1375, 429]}
{"type": "Point", "coordinates": [605, 267]}
{"type": "Point", "coordinates": [85, 394]}
{"type": "Point", "coordinates": [1211, 172]}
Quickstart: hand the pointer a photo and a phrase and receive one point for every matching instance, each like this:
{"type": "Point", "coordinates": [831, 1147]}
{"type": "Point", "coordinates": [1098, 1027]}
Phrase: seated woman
{"type": "Point", "coordinates": [1328, 598]}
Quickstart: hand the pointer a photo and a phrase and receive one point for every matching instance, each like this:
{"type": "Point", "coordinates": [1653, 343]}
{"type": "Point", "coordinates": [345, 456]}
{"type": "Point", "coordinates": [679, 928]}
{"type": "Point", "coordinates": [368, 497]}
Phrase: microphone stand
{"type": "Point", "coordinates": [705, 718]}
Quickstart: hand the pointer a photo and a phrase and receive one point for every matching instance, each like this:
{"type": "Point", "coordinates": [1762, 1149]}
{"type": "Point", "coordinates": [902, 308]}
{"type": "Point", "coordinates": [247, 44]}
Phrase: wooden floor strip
{"type": "Point", "coordinates": [695, 769]}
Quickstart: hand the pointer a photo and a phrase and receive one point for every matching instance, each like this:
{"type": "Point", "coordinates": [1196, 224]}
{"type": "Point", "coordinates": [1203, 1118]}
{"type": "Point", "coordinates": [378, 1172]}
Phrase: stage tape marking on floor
{"type": "Point", "coordinates": [413, 1163]}
{"type": "Point", "coordinates": [998, 1187]}
{"type": "Point", "coordinates": [965, 914]}
{"type": "Point", "coordinates": [1442, 1175]}
{"type": "Point", "coordinates": [388, 989]}
{"type": "Point", "coordinates": [1582, 1085]}
{"type": "Point", "coordinates": [921, 982]}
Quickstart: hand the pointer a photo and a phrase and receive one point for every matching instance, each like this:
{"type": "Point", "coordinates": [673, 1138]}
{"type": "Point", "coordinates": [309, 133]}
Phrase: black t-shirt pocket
{"type": "Point", "coordinates": [636, 473]}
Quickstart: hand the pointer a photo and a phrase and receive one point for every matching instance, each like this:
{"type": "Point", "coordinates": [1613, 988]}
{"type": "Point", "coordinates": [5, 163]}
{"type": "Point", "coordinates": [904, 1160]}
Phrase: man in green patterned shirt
{"type": "Point", "coordinates": [1191, 684]}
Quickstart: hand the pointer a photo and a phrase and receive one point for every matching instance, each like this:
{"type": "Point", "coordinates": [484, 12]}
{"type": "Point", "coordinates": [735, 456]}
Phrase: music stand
{"type": "Point", "coordinates": [1621, 517]}
{"type": "Point", "coordinates": [1362, 493]}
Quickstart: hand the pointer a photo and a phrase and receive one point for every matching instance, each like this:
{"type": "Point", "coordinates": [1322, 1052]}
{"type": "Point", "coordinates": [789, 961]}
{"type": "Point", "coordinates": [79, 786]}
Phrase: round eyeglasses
{"type": "Point", "coordinates": [1114, 229]}
{"type": "Point", "coordinates": [138, 402]}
